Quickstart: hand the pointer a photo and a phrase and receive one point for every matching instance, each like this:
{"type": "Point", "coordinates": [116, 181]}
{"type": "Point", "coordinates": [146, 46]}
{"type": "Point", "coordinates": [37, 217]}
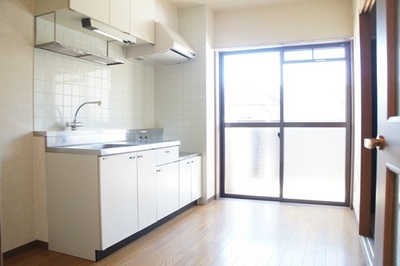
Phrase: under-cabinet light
{"type": "Point", "coordinates": [107, 31]}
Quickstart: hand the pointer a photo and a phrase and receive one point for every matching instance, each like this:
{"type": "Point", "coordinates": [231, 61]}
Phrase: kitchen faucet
{"type": "Point", "coordinates": [75, 124]}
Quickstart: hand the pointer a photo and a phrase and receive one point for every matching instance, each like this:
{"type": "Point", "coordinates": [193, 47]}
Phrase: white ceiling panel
{"type": "Point", "coordinates": [219, 5]}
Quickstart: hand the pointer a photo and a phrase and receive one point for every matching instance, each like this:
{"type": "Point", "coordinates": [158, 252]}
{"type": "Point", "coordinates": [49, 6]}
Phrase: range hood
{"type": "Point", "coordinates": [78, 53]}
{"type": "Point", "coordinates": [49, 26]}
{"type": "Point", "coordinates": [169, 48]}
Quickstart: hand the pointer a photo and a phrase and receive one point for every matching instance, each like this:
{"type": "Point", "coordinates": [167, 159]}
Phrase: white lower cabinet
{"type": "Point", "coordinates": [196, 177]}
{"type": "Point", "coordinates": [189, 180]}
{"type": "Point", "coordinates": [185, 182]}
{"type": "Point", "coordinates": [147, 182]}
{"type": "Point", "coordinates": [167, 189]}
{"type": "Point", "coordinates": [91, 201]}
{"type": "Point", "coordinates": [118, 200]}
{"type": "Point", "coordinates": [94, 202]}
{"type": "Point", "coordinates": [167, 155]}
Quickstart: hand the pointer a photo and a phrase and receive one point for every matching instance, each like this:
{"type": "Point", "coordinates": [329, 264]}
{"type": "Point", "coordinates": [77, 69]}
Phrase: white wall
{"type": "Point", "coordinates": [16, 123]}
{"type": "Point", "coordinates": [210, 105]}
{"type": "Point", "coordinates": [184, 95]}
{"type": "Point", "coordinates": [62, 83]}
{"type": "Point", "coordinates": [284, 24]}
{"type": "Point", "coordinates": [166, 14]}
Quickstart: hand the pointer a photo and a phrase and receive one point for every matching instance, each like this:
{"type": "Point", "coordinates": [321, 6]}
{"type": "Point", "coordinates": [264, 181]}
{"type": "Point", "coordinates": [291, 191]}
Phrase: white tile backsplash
{"type": "Point", "coordinates": [180, 89]}
{"type": "Point", "coordinates": [62, 83]}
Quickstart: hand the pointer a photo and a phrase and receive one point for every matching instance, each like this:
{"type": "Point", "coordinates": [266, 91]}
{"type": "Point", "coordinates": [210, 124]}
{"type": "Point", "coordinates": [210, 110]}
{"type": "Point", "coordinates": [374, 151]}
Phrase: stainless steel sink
{"type": "Point", "coordinates": [109, 148]}
{"type": "Point", "coordinates": [98, 146]}
{"type": "Point", "coordinates": [102, 146]}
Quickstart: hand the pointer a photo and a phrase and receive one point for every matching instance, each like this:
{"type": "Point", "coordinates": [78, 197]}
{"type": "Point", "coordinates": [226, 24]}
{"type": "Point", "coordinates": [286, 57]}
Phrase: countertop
{"type": "Point", "coordinates": [111, 148]}
{"type": "Point", "coordinates": [108, 142]}
{"type": "Point", "coordinates": [188, 155]}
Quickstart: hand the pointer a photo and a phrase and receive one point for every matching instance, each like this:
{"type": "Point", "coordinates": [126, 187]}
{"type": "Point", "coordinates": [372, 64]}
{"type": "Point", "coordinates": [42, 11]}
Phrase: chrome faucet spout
{"type": "Point", "coordinates": [77, 110]}
{"type": "Point", "coordinates": [75, 124]}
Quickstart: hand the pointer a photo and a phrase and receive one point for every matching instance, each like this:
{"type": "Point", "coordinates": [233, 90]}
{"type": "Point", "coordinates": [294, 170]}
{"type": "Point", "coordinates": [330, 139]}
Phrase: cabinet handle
{"type": "Point", "coordinates": [187, 162]}
{"type": "Point", "coordinates": [158, 170]}
{"type": "Point", "coordinates": [166, 151]}
{"type": "Point", "coordinates": [132, 157]}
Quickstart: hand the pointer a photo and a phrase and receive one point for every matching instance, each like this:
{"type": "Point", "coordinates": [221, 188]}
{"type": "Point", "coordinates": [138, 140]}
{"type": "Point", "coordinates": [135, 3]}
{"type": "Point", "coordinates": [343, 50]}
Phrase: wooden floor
{"type": "Point", "coordinates": [235, 232]}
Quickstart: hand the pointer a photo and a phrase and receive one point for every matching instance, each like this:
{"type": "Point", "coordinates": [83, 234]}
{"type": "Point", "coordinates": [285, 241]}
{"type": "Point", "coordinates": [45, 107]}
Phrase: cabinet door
{"type": "Point", "coordinates": [167, 189]}
{"type": "Point", "coordinates": [98, 10]}
{"type": "Point", "coordinates": [196, 177]}
{"type": "Point", "coordinates": [120, 11]}
{"type": "Point", "coordinates": [142, 19]}
{"type": "Point", "coordinates": [185, 183]}
{"type": "Point", "coordinates": [118, 201]}
{"type": "Point", "coordinates": [147, 182]}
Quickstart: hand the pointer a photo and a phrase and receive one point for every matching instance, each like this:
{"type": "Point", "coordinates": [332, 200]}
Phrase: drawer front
{"type": "Point", "coordinates": [167, 155]}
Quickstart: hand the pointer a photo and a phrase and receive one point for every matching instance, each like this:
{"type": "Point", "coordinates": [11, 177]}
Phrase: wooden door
{"type": "Point", "coordinates": [367, 124]}
{"type": "Point", "coordinates": [388, 155]}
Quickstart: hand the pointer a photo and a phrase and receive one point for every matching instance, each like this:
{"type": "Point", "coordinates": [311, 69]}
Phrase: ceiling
{"type": "Point", "coordinates": [219, 5]}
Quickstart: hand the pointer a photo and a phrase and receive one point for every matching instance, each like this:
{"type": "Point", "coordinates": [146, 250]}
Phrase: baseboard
{"type": "Point", "coordinates": [210, 199]}
{"type": "Point", "coordinates": [28, 246]}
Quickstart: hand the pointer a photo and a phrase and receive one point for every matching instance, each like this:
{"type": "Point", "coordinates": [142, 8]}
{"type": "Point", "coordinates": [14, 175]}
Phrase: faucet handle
{"type": "Point", "coordinates": [74, 125]}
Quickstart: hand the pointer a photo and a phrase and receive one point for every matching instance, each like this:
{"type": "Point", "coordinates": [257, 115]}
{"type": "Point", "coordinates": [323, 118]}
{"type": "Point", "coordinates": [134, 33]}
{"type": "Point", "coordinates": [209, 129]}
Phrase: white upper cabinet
{"type": "Point", "coordinates": [142, 19]}
{"type": "Point", "coordinates": [98, 10]}
{"type": "Point", "coordinates": [135, 17]}
{"type": "Point", "coordinates": [115, 13]}
{"type": "Point", "coordinates": [120, 11]}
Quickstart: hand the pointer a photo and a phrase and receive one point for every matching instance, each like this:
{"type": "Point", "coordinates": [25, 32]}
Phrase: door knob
{"type": "Point", "coordinates": [378, 143]}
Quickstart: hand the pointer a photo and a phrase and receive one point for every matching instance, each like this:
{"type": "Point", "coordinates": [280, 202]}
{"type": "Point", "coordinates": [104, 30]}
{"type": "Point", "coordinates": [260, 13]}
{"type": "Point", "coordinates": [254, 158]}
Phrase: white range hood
{"type": "Point", "coordinates": [49, 26]}
{"type": "Point", "coordinates": [169, 48]}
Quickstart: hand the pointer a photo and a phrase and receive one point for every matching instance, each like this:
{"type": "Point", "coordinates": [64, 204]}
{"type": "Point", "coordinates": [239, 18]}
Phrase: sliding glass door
{"type": "Point", "coordinates": [286, 123]}
{"type": "Point", "coordinates": [252, 113]}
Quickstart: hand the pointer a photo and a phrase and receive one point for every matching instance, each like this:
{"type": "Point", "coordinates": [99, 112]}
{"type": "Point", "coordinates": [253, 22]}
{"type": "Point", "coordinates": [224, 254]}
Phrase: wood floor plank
{"type": "Point", "coordinates": [234, 232]}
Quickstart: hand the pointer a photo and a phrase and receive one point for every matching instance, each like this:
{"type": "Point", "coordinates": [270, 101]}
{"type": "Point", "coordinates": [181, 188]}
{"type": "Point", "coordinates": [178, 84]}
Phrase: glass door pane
{"type": "Point", "coordinates": [314, 166]}
{"type": "Point", "coordinates": [252, 161]}
{"type": "Point", "coordinates": [315, 92]}
{"type": "Point", "coordinates": [315, 151]}
{"type": "Point", "coordinates": [252, 87]}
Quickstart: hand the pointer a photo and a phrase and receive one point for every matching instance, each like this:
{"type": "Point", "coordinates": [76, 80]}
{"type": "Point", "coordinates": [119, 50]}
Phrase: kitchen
{"type": "Point", "coordinates": [178, 98]}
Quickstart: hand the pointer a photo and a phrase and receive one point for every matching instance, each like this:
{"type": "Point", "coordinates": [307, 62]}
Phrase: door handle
{"type": "Point", "coordinates": [378, 143]}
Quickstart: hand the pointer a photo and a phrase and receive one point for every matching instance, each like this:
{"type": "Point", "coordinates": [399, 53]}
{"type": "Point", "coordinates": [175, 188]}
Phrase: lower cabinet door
{"type": "Point", "coordinates": [185, 182]}
{"type": "Point", "coordinates": [196, 177]}
{"type": "Point", "coordinates": [167, 189]}
{"type": "Point", "coordinates": [147, 182]}
{"type": "Point", "coordinates": [118, 198]}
